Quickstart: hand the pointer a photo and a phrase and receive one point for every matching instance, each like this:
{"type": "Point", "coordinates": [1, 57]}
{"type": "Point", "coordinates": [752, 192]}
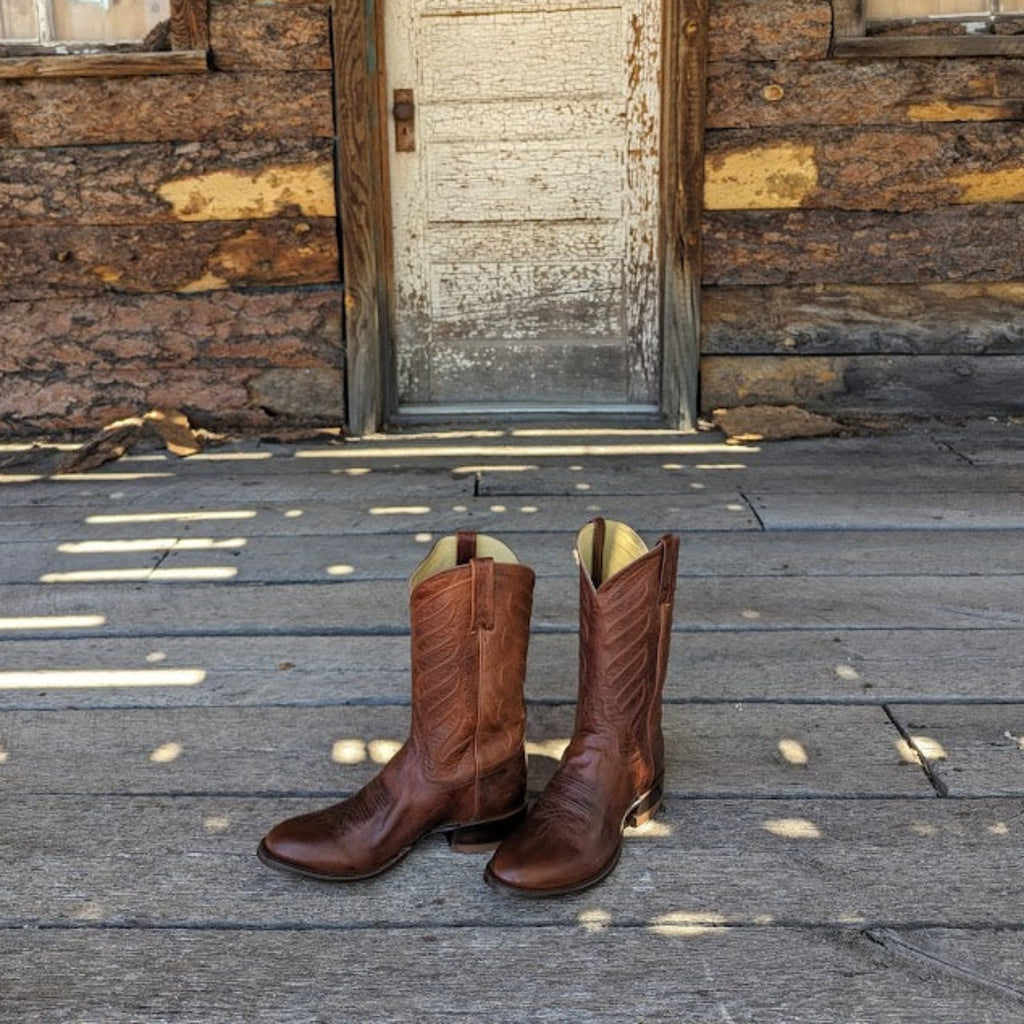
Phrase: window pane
{"type": "Point", "coordinates": [106, 21]}
{"type": "Point", "coordinates": [18, 20]}
{"type": "Point", "coordinates": [877, 10]}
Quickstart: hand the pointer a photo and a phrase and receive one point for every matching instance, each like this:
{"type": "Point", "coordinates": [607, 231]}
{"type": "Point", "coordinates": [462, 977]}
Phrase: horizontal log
{"type": "Point", "coordinates": [124, 354]}
{"type": "Point", "coordinates": [152, 183]}
{"type": "Point", "coordinates": [286, 327]}
{"type": "Point", "coordinates": [960, 243]}
{"type": "Point", "coordinates": [105, 65]}
{"type": "Point", "coordinates": [749, 30]}
{"type": "Point", "coordinates": [917, 47]}
{"type": "Point", "coordinates": [930, 319]}
{"type": "Point", "coordinates": [788, 93]}
{"type": "Point", "coordinates": [864, 168]}
{"type": "Point", "coordinates": [43, 262]}
{"type": "Point", "coordinates": [215, 397]}
{"type": "Point", "coordinates": [269, 36]}
{"type": "Point", "coordinates": [188, 108]}
{"type": "Point", "coordinates": [909, 385]}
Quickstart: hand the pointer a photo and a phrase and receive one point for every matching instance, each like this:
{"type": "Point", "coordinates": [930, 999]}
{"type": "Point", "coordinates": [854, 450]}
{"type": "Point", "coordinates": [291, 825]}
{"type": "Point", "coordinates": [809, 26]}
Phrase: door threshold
{"type": "Point", "coordinates": [589, 414]}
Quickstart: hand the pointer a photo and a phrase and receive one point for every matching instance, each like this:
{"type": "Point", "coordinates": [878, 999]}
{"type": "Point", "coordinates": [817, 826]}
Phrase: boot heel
{"type": "Point", "coordinates": [646, 807]}
{"type": "Point", "coordinates": [485, 835]}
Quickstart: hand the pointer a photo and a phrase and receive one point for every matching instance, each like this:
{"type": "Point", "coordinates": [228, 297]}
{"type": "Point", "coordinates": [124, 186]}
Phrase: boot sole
{"type": "Point", "coordinates": [479, 837]}
{"type": "Point", "coordinates": [642, 810]}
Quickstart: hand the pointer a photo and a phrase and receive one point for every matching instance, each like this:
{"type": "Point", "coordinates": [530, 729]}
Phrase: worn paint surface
{"type": "Point", "coordinates": [304, 189]}
{"type": "Point", "coordinates": [761, 177]}
{"type": "Point", "coordinates": [1000, 186]}
{"type": "Point", "coordinates": [526, 221]}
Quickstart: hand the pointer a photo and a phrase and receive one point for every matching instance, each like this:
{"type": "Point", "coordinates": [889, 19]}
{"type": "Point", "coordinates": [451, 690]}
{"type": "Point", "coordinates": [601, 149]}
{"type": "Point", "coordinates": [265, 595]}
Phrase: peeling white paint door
{"type": "Point", "coordinates": [526, 217]}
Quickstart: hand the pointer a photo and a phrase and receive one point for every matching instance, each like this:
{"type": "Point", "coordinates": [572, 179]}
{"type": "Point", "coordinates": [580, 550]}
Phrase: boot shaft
{"type": "Point", "coordinates": [627, 596]}
{"type": "Point", "coordinates": [470, 611]}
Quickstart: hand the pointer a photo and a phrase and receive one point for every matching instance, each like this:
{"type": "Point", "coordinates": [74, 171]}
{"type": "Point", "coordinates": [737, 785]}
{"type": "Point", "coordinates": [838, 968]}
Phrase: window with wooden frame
{"type": "Point", "coordinates": [63, 38]}
{"type": "Point", "coordinates": [928, 28]}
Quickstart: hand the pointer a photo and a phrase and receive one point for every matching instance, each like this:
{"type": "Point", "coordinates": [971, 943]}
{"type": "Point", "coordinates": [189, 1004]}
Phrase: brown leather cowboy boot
{"type": "Point", "coordinates": [462, 771]}
{"type": "Point", "coordinates": [611, 774]}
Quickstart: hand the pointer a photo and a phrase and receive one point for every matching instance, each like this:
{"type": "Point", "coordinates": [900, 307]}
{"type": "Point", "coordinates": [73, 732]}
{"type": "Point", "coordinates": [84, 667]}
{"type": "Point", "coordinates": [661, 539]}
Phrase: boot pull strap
{"type": "Point", "coordinates": [482, 612]}
{"type": "Point", "coordinates": [597, 552]}
{"type": "Point", "coordinates": [669, 568]}
{"type": "Point", "coordinates": [465, 546]}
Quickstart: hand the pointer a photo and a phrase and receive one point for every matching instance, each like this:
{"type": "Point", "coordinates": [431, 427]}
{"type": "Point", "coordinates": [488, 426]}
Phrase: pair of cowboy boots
{"type": "Point", "coordinates": [462, 771]}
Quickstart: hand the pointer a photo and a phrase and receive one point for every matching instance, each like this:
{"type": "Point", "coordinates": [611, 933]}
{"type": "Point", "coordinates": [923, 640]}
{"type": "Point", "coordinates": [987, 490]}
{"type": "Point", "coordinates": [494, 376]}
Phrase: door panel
{"type": "Point", "coordinates": [526, 219]}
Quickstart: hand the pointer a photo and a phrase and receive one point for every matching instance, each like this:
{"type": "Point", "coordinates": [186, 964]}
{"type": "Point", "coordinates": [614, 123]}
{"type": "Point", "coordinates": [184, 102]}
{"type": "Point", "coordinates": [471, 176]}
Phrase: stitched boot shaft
{"type": "Point", "coordinates": [462, 771]}
{"type": "Point", "coordinates": [611, 774]}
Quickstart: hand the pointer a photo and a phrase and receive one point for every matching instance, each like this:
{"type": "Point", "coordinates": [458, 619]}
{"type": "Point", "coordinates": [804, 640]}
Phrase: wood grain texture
{"type": "Point", "coordinates": [720, 981]}
{"type": "Point", "coordinates": [715, 751]}
{"type": "Point", "coordinates": [911, 319]}
{"type": "Point", "coordinates": [47, 262]}
{"type": "Point", "coordinates": [789, 93]}
{"type": "Point", "coordinates": [293, 554]}
{"type": "Point", "coordinates": [973, 751]}
{"type": "Point", "coordinates": [896, 169]}
{"type": "Point", "coordinates": [746, 30]}
{"type": "Point", "coordinates": [141, 184]}
{"type": "Point", "coordinates": [841, 666]}
{"type": "Point", "coordinates": [263, 104]}
{"type": "Point", "coordinates": [354, 608]}
{"type": "Point", "coordinates": [921, 385]}
{"type": "Point", "coordinates": [269, 36]}
{"type": "Point", "coordinates": [766, 247]}
{"type": "Point", "coordinates": [105, 65]}
{"type": "Point", "coordinates": [747, 862]}
{"type": "Point", "coordinates": [364, 226]}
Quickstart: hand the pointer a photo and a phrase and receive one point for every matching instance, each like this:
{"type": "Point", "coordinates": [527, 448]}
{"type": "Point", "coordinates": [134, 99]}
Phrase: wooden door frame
{"type": "Point", "coordinates": [360, 110]}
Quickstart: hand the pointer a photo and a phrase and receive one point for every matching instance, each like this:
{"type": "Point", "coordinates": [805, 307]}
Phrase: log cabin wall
{"type": "Point", "coordinates": [863, 222]}
{"type": "Point", "coordinates": [171, 240]}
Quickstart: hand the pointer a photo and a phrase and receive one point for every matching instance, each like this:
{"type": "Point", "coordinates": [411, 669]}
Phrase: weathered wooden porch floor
{"type": "Point", "coordinates": [194, 649]}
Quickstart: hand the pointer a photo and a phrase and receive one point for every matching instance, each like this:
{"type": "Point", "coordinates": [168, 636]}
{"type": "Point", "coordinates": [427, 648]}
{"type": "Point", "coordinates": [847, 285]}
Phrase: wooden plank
{"type": "Point", "coordinates": [972, 751]}
{"type": "Point", "coordinates": [365, 230]}
{"type": "Point", "coordinates": [155, 183]}
{"type": "Point", "coordinates": [769, 974]}
{"type": "Point", "coordinates": [934, 510]}
{"type": "Point", "coordinates": [899, 385]}
{"type": "Point", "coordinates": [908, 319]}
{"type": "Point", "coordinates": [62, 112]}
{"type": "Point", "coordinates": [270, 36]}
{"type": "Point", "coordinates": [865, 168]}
{"type": "Point", "coordinates": [745, 30]}
{"type": "Point", "coordinates": [837, 666]}
{"type": "Point", "coordinates": [130, 511]}
{"type": "Point", "coordinates": [298, 556]}
{"type": "Point", "coordinates": [42, 261]}
{"type": "Point", "coordinates": [765, 247]}
{"type": "Point", "coordinates": [916, 47]}
{"type": "Point", "coordinates": [787, 93]}
{"type": "Point", "coordinates": [685, 68]}
{"type": "Point", "coordinates": [711, 751]}
{"type": "Point", "coordinates": [160, 861]}
{"type": "Point", "coordinates": [352, 608]}
{"type": "Point", "coordinates": [105, 65]}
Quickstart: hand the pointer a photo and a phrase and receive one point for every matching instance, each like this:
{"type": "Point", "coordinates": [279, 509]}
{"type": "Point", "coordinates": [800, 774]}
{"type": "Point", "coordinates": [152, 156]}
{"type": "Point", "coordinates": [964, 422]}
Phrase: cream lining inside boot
{"type": "Point", "coordinates": [443, 555]}
{"type": "Point", "coordinates": [622, 545]}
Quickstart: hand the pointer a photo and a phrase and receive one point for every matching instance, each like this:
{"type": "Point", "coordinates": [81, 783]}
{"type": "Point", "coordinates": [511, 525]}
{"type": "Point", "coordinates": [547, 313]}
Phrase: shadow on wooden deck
{"type": "Point", "coordinates": [193, 649]}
